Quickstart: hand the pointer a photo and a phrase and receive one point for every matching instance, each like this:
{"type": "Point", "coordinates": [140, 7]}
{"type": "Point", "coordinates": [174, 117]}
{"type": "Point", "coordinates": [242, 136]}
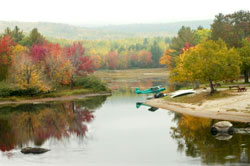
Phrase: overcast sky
{"type": "Point", "coordinates": [116, 11]}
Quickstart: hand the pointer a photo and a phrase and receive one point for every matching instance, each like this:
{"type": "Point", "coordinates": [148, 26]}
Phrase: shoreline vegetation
{"type": "Point", "coordinates": [85, 86]}
{"type": "Point", "coordinates": [53, 99]}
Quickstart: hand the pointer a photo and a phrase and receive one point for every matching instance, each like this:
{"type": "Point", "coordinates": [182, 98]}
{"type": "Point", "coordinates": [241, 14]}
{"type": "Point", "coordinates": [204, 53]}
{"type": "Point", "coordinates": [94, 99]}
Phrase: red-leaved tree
{"type": "Point", "coordinates": [81, 64]}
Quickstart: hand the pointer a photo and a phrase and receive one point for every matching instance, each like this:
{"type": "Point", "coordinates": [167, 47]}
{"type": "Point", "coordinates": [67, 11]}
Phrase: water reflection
{"type": "Point", "coordinates": [22, 124]}
{"type": "Point", "coordinates": [152, 109]}
{"type": "Point", "coordinates": [194, 138]}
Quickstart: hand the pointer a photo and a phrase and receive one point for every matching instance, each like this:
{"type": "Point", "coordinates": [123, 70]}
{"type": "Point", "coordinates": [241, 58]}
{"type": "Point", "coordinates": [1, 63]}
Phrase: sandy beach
{"type": "Point", "coordinates": [233, 108]}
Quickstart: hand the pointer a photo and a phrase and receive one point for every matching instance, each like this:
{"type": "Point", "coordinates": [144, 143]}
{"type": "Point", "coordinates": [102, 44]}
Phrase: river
{"type": "Point", "coordinates": [111, 131]}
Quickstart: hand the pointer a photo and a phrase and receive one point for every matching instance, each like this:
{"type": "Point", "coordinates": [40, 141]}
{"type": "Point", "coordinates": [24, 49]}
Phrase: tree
{"type": "Point", "coordinates": [39, 51]}
{"type": "Point", "coordinates": [185, 35]}
{"type": "Point", "coordinates": [27, 75]}
{"type": "Point", "coordinates": [144, 58]}
{"type": "Point", "coordinates": [207, 62]}
{"type": "Point", "coordinates": [58, 67]}
{"type": "Point", "coordinates": [156, 53]}
{"type": "Point", "coordinates": [241, 21]}
{"type": "Point", "coordinates": [18, 51]}
{"type": "Point", "coordinates": [34, 38]}
{"type": "Point", "coordinates": [232, 28]}
{"type": "Point", "coordinates": [81, 64]}
{"type": "Point", "coordinates": [112, 60]}
{"type": "Point", "coordinates": [202, 35]}
{"type": "Point", "coordinates": [167, 59]}
{"type": "Point", "coordinates": [6, 45]}
{"type": "Point", "coordinates": [244, 52]}
{"type": "Point", "coordinates": [16, 34]}
{"type": "Point", "coordinates": [97, 61]}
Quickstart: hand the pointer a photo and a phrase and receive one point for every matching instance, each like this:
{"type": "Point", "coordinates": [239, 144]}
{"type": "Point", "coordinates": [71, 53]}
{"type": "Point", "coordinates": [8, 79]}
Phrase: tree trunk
{"type": "Point", "coordinates": [246, 76]}
{"type": "Point", "coordinates": [211, 87]}
{"type": "Point", "coordinates": [196, 85]}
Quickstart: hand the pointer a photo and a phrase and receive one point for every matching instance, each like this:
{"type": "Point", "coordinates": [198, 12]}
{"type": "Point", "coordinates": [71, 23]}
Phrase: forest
{"type": "Point", "coordinates": [35, 63]}
{"type": "Point", "coordinates": [219, 54]}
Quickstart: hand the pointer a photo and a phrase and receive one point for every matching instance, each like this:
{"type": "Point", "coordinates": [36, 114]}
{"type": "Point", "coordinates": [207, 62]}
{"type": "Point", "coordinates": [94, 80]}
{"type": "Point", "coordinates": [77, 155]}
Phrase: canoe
{"type": "Point", "coordinates": [182, 92]}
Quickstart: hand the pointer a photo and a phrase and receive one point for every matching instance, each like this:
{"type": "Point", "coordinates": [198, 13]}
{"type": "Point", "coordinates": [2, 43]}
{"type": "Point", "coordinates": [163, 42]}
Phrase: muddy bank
{"type": "Point", "coordinates": [234, 108]}
{"type": "Point", "coordinates": [49, 99]}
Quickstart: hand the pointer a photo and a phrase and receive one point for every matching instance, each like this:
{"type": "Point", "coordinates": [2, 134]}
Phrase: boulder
{"type": "Point", "coordinates": [223, 124]}
{"type": "Point", "coordinates": [222, 127]}
{"type": "Point", "coordinates": [29, 150]}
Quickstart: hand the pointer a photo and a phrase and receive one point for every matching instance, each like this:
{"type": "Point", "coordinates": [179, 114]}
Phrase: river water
{"type": "Point", "coordinates": [111, 131]}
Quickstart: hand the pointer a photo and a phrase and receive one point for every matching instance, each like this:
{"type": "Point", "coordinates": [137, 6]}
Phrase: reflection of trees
{"type": "Point", "coordinates": [193, 136]}
{"type": "Point", "coordinates": [19, 125]}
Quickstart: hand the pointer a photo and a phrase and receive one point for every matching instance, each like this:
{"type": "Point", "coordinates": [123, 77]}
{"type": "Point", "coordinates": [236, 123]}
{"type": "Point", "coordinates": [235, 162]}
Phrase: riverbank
{"type": "Point", "coordinates": [233, 108]}
{"type": "Point", "coordinates": [50, 99]}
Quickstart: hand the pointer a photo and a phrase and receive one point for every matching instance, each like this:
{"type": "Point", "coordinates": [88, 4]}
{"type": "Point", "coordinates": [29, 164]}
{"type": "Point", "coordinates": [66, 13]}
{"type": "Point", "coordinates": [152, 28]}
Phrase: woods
{"type": "Point", "coordinates": [33, 61]}
{"type": "Point", "coordinates": [209, 56]}
{"type": "Point", "coordinates": [38, 66]}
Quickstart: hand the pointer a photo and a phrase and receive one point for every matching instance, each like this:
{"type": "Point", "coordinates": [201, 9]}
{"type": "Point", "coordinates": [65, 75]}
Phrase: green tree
{"type": "Point", "coordinates": [185, 35]}
{"type": "Point", "coordinates": [156, 54]}
{"type": "Point", "coordinates": [244, 52]}
{"type": "Point", "coordinates": [232, 28]}
{"type": "Point", "coordinates": [34, 38]}
{"type": "Point", "coordinates": [209, 61]}
{"type": "Point", "coordinates": [202, 35]}
{"type": "Point", "coordinates": [16, 34]}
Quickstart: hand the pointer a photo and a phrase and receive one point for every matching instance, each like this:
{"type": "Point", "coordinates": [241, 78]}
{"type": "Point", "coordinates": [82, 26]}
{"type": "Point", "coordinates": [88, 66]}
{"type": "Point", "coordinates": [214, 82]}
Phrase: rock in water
{"type": "Point", "coordinates": [223, 124]}
{"type": "Point", "coordinates": [34, 150]}
{"type": "Point", "coordinates": [222, 127]}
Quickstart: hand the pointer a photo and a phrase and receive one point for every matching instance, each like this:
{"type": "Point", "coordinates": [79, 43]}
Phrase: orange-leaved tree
{"type": "Point", "coordinates": [167, 58]}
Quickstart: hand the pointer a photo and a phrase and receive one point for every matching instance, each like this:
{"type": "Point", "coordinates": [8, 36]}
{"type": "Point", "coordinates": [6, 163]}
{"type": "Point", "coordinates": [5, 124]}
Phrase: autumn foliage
{"type": "Point", "coordinates": [6, 44]}
{"type": "Point", "coordinates": [43, 66]}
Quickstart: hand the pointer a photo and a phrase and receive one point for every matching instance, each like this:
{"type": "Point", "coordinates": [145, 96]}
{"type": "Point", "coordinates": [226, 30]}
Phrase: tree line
{"type": "Point", "coordinates": [32, 63]}
{"type": "Point", "coordinates": [124, 53]}
{"type": "Point", "coordinates": [218, 54]}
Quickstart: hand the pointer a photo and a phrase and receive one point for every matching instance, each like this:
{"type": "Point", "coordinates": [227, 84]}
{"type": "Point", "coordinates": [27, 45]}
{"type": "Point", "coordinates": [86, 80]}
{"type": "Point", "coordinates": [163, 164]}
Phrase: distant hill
{"type": "Point", "coordinates": [58, 30]}
{"type": "Point", "coordinates": [168, 28]}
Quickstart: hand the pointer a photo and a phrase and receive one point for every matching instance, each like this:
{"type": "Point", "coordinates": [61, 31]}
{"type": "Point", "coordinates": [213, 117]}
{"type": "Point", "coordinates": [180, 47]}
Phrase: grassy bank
{"type": "Point", "coordinates": [83, 85]}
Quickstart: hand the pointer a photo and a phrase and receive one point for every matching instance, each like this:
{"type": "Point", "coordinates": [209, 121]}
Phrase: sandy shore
{"type": "Point", "coordinates": [63, 98]}
{"type": "Point", "coordinates": [234, 108]}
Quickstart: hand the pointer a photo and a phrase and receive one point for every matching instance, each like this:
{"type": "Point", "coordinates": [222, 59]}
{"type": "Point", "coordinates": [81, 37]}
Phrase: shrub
{"type": "Point", "coordinates": [6, 91]}
{"type": "Point", "coordinates": [91, 82]}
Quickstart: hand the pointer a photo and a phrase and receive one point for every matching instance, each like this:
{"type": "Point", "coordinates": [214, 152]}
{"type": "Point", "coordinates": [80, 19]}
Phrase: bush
{"type": "Point", "coordinates": [25, 92]}
{"type": "Point", "coordinates": [6, 91]}
{"type": "Point", "coordinates": [91, 82]}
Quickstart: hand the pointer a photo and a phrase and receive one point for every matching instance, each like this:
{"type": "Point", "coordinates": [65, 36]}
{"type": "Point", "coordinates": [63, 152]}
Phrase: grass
{"type": "Point", "coordinates": [59, 93]}
{"type": "Point", "coordinates": [132, 73]}
{"type": "Point", "coordinates": [200, 98]}
{"type": "Point", "coordinates": [67, 92]}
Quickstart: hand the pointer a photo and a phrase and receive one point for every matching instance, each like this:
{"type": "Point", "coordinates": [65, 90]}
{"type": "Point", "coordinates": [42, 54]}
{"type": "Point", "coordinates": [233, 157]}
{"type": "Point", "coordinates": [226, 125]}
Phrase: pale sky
{"type": "Point", "coordinates": [116, 11]}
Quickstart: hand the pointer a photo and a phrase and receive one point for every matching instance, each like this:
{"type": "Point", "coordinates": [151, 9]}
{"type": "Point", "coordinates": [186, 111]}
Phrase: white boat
{"type": "Point", "coordinates": [182, 92]}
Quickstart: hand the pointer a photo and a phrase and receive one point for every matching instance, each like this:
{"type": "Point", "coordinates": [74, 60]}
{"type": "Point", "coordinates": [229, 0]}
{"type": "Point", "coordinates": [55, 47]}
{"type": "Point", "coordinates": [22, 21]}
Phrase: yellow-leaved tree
{"type": "Point", "coordinates": [27, 75]}
{"type": "Point", "coordinates": [209, 61]}
{"type": "Point", "coordinates": [167, 58]}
